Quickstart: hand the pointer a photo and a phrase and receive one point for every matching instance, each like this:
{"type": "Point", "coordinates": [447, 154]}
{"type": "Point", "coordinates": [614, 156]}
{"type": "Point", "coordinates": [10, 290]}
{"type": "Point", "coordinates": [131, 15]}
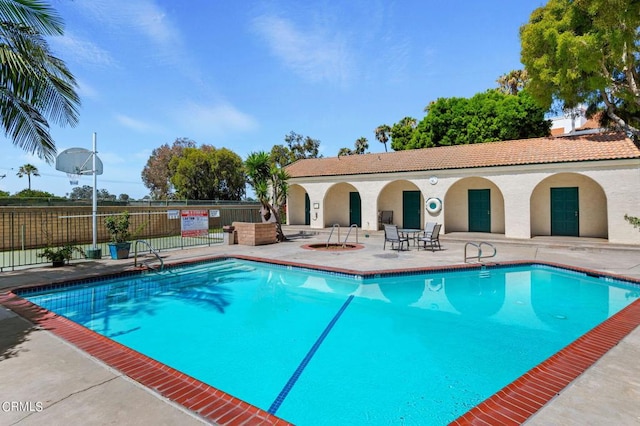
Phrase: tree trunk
{"type": "Point", "coordinates": [279, 233]}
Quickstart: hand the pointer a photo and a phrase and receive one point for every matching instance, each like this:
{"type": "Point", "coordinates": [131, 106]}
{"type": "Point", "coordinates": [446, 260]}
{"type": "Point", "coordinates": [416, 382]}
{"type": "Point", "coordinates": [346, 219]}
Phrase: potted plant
{"type": "Point", "coordinates": [118, 227]}
{"type": "Point", "coordinates": [58, 256]}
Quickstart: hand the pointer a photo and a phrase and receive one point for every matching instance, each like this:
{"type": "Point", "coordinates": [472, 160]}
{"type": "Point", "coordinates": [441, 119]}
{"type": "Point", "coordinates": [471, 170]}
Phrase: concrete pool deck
{"type": "Point", "coordinates": [58, 383]}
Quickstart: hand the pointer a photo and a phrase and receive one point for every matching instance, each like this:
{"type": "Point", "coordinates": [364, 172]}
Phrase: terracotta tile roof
{"type": "Point", "coordinates": [591, 147]}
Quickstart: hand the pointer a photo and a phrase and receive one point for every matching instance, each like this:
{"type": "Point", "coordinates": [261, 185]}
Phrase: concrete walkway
{"type": "Point", "coordinates": [45, 380]}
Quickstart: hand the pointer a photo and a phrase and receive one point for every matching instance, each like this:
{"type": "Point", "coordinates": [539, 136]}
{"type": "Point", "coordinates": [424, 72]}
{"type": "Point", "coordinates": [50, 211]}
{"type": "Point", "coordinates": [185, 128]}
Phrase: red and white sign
{"type": "Point", "coordinates": [194, 223]}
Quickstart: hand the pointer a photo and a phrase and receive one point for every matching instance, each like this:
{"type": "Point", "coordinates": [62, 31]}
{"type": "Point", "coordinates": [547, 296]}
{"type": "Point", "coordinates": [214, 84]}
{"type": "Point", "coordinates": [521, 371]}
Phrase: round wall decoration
{"type": "Point", "coordinates": [434, 205]}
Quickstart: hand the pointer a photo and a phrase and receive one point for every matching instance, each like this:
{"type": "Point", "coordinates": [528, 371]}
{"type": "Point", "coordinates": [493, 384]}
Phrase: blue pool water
{"type": "Point", "coordinates": [321, 348]}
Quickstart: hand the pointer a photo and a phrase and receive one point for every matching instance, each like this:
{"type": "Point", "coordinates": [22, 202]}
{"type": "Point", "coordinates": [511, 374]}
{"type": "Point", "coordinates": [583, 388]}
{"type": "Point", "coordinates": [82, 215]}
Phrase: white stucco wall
{"type": "Point", "coordinates": [520, 200]}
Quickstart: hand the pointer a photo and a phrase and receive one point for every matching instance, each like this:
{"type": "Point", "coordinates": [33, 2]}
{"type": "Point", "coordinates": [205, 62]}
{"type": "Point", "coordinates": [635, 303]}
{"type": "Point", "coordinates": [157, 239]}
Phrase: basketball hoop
{"type": "Point", "coordinates": [73, 178]}
{"type": "Point", "coordinates": [80, 161]}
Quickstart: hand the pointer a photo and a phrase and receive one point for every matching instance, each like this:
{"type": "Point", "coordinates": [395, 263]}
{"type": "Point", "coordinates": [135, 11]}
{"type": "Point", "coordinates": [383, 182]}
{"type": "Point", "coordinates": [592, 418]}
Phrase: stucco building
{"type": "Point", "coordinates": [571, 186]}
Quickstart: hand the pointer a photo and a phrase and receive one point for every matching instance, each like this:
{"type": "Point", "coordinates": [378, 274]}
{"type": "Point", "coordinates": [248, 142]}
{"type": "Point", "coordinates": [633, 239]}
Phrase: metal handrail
{"type": "Point", "coordinates": [331, 233]}
{"type": "Point", "coordinates": [151, 249]}
{"type": "Point", "coordinates": [466, 258]}
{"type": "Point", "coordinates": [490, 245]}
{"type": "Point", "coordinates": [479, 247]}
{"type": "Point", "coordinates": [347, 237]}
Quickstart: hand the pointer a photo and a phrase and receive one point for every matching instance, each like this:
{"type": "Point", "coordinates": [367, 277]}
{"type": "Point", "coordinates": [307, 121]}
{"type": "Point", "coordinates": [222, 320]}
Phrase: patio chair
{"type": "Point", "coordinates": [432, 240]}
{"type": "Point", "coordinates": [385, 216]}
{"type": "Point", "coordinates": [428, 229]}
{"type": "Point", "coordinates": [392, 235]}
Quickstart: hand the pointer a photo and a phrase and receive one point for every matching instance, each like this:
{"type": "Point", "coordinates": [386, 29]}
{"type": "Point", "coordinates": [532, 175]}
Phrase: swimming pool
{"type": "Point", "coordinates": [378, 349]}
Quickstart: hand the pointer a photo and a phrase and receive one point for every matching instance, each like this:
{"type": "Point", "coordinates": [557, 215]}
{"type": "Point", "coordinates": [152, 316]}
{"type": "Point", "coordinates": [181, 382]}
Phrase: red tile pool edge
{"type": "Point", "coordinates": [512, 405]}
{"type": "Point", "coordinates": [210, 403]}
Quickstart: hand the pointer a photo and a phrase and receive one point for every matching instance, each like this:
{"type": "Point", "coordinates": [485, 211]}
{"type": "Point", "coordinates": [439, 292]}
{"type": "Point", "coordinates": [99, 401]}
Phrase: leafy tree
{"type": "Point", "coordinates": [33, 193]}
{"type": "Point", "coordinates": [269, 183]}
{"type": "Point", "coordinates": [488, 116]}
{"type": "Point", "coordinates": [302, 147]}
{"type": "Point", "coordinates": [156, 174]}
{"type": "Point", "coordinates": [382, 133]}
{"type": "Point", "coordinates": [402, 132]}
{"type": "Point", "coordinates": [4, 194]}
{"type": "Point", "coordinates": [35, 86]}
{"type": "Point", "coordinates": [281, 155]}
{"type": "Point", "coordinates": [28, 170]}
{"type": "Point", "coordinates": [85, 192]}
{"type": "Point", "coordinates": [207, 173]}
{"type": "Point", "coordinates": [123, 197]}
{"type": "Point", "coordinates": [586, 51]}
{"type": "Point", "coordinates": [297, 147]}
{"type": "Point", "coordinates": [103, 194]}
{"type": "Point", "coordinates": [230, 179]}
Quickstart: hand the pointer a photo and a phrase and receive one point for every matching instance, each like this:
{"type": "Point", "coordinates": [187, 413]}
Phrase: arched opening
{"type": "Point", "coordinates": [474, 204]}
{"type": "Point", "coordinates": [342, 205]}
{"type": "Point", "coordinates": [298, 206]}
{"type": "Point", "coordinates": [404, 199]}
{"type": "Point", "coordinates": [569, 204]}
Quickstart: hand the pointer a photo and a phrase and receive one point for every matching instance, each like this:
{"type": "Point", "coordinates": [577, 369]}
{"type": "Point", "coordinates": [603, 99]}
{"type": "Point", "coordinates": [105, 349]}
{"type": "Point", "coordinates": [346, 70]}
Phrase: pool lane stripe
{"type": "Point", "coordinates": [296, 375]}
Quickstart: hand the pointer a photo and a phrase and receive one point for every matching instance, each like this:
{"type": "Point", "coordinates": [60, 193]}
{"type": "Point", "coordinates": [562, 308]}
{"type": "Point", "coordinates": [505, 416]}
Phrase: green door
{"type": "Point", "coordinates": [565, 212]}
{"type": "Point", "coordinates": [307, 209]}
{"type": "Point", "coordinates": [411, 209]}
{"type": "Point", "coordinates": [479, 210]}
{"type": "Point", "coordinates": [355, 209]}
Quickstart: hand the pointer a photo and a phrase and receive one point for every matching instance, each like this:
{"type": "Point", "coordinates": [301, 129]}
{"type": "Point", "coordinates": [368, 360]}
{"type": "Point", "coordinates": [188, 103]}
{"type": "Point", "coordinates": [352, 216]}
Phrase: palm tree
{"type": "Point", "coordinates": [28, 170]}
{"type": "Point", "coordinates": [344, 151]}
{"type": "Point", "coordinates": [34, 84]}
{"type": "Point", "coordinates": [382, 134]}
{"type": "Point", "coordinates": [269, 182]}
{"type": "Point", "coordinates": [512, 82]}
{"type": "Point", "coordinates": [361, 145]}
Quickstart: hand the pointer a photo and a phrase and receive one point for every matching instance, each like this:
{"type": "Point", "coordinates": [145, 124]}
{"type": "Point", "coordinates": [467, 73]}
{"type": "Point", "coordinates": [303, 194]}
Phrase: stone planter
{"type": "Point", "coordinates": [255, 234]}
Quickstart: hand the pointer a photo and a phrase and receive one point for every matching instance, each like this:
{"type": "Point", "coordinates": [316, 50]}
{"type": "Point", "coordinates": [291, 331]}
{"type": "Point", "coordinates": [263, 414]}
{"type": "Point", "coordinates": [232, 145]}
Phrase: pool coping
{"type": "Point", "coordinates": [513, 404]}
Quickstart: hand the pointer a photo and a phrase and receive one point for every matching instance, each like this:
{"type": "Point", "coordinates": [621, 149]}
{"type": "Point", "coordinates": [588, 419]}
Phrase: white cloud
{"type": "Point", "coordinates": [137, 125]}
{"type": "Point", "coordinates": [82, 51]}
{"type": "Point", "coordinates": [316, 54]}
{"type": "Point", "coordinates": [152, 22]}
{"type": "Point", "coordinates": [142, 16]}
{"type": "Point", "coordinates": [217, 119]}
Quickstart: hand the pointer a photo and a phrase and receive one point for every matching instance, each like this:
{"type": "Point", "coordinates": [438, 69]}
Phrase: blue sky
{"type": "Point", "coordinates": [242, 75]}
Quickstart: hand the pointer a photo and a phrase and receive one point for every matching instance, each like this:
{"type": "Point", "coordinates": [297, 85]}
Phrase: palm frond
{"type": "Point", "coordinates": [26, 126]}
{"type": "Point", "coordinates": [36, 14]}
{"type": "Point", "coordinates": [34, 86]}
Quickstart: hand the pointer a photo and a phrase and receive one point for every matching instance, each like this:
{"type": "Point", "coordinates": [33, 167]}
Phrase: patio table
{"type": "Point", "coordinates": [410, 233]}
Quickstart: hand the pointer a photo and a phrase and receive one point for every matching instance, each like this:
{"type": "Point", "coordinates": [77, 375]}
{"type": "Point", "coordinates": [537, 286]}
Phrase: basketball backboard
{"type": "Point", "coordinates": [78, 161]}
